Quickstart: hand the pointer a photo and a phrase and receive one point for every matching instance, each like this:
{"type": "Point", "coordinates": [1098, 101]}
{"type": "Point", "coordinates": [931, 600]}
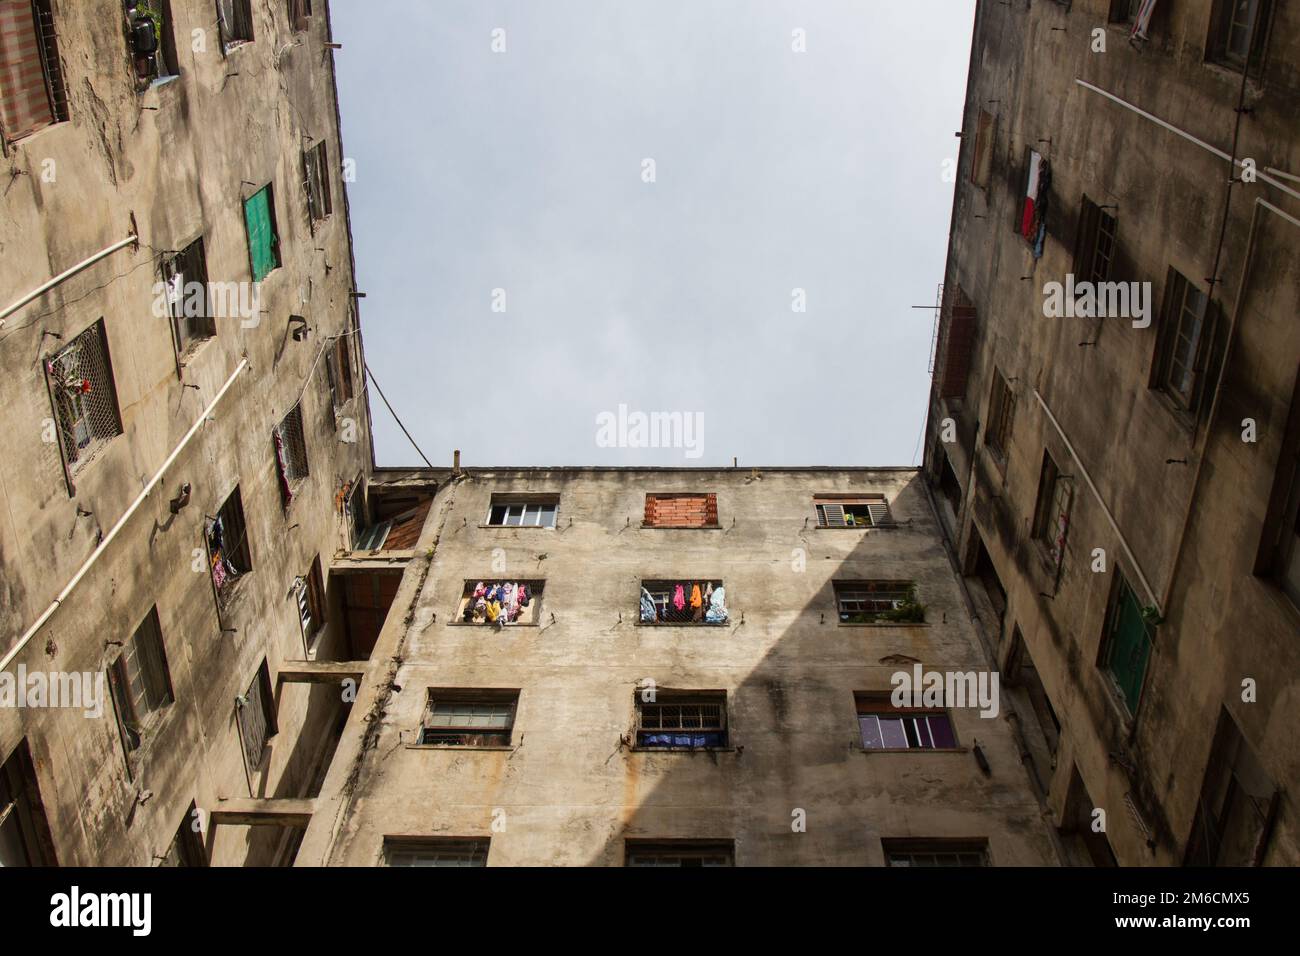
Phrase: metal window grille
{"type": "Point", "coordinates": [316, 182]}
{"type": "Point", "coordinates": [1184, 341]}
{"type": "Point", "coordinates": [682, 723]}
{"type": "Point", "coordinates": [416, 852]}
{"type": "Point", "coordinates": [938, 854]}
{"type": "Point", "coordinates": [228, 552]}
{"type": "Point", "coordinates": [290, 451]}
{"type": "Point", "coordinates": [485, 722]}
{"type": "Point", "coordinates": [32, 96]}
{"type": "Point", "coordinates": [853, 512]}
{"type": "Point", "coordinates": [185, 283]}
{"type": "Point", "coordinates": [235, 22]}
{"type": "Point", "coordinates": [679, 854]}
{"type": "Point", "coordinates": [684, 602]}
{"type": "Point", "coordinates": [139, 680]}
{"type": "Point", "coordinates": [1003, 406]}
{"type": "Point", "coordinates": [256, 722]}
{"type": "Point", "coordinates": [865, 602]}
{"type": "Point", "coordinates": [80, 380]}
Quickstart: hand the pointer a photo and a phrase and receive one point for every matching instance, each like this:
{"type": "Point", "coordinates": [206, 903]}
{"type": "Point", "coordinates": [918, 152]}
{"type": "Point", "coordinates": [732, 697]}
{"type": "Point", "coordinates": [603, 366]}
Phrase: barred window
{"type": "Point", "coordinates": [877, 602]}
{"type": "Point", "coordinates": [680, 853]}
{"type": "Point", "coordinates": [682, 721]}
{"type": "Point", "coordinates": [936, 852]}
{"type": "Point", "coordinates": [691, 601]}
{"type": "Point", "coordinates": [80, 378]}
{"type": "Point", "coordinates": [228, 553]}
{"type": "Point", "coordinates": [1002, 411]}
{"type": "Point", "coordinates": [256, 712]}
{"type": "Point", "coordinates": [435, 851]}
{"type": "Point", "coordinates": [847, 511]}
{"type": "Point", "coordinates": [290, 453]}
{"type": "Point", "coordinates": [299, 14]}
{"type": "Point", "coordinates": [32, 95]}
{"type": "Point", "coordinates": [469, 718]}
{"type": "Point", "coordinates": [139, 681]}
{"type": "Point", "coordinates": [316, 181]}
{"type": "Point", "coordinates": [185, 284]}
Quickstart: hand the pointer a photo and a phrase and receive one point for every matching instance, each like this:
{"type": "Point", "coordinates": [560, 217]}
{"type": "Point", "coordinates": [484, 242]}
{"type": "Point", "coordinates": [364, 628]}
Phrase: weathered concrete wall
{"type": "Point", "coordinates": [178, 158]}
{"type": "Point", "coordinates": [568, 792]}
{"type": "Point", "coordinates": [1223, 624]}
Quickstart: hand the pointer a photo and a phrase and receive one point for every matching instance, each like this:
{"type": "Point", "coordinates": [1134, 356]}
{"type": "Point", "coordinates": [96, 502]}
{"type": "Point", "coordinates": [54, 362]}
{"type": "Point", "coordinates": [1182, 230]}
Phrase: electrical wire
{"type": "Point", "coordinates": [380, 390]}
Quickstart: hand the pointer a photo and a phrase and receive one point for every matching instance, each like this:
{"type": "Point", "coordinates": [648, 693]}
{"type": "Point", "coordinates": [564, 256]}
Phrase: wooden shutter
{"type": "Point", "coordinates": [261, 239]}
{"type": "Point", "coordinates": [832, 514]}
{"type": "Point", "coordinates": [879, 511]}
{"type": "Point", "coordinates": [957, 352]}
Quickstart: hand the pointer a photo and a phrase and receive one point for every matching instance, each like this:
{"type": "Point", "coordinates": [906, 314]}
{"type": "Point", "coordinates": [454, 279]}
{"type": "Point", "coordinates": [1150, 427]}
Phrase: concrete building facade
{"type": "Point", "coordinates": [1117, 465]}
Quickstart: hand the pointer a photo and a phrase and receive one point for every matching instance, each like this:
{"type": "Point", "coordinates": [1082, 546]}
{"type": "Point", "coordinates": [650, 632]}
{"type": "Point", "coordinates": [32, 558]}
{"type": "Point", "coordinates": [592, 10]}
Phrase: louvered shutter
{"type": "Point", "coordinates": [879, 511]}
{"type": "Point", "coordinates": [832, 515]}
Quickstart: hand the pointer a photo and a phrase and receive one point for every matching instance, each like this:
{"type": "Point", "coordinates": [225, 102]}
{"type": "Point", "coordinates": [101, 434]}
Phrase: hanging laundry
{"type": "Point", "coordinates": [717, 612]}
{"type": "Point", "coordinates": [696, 600]}
{"type": "Point", "coordinates": [649, 613]}
{"type": "Point", "coordinates": [679, 597]}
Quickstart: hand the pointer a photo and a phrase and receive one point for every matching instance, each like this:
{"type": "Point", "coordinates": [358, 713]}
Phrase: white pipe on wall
{"type": "Point", "coordinates": [67, 273]}
{"type": "Point", "coordinates": [121, 522]}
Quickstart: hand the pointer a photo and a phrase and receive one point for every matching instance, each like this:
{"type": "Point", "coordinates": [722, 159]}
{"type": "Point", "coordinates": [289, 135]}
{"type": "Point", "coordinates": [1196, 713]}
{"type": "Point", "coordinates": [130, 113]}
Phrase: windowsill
{"type": "Point", "coordinates": [682, 623]}
{"type": "Point", "coordinates": [913, 750]}
{"type": "Point", "coordinates": [518, 527]}
{"type": "Point", "coordinates": [492, 624]}
{"type": "Point", "coordinates": [193, 349]}
{"type": "Point", "coordinates": [1227, 71]}
{"type": "Point", "coordinates": [156, 726]}
{"type": "Point", "coordinates": [885, 624]}
{"type": "Point", "coordinates": [505, 749]}
{"type": "Point", "coordinates": [681, 527]}
{"type": "Point", "coordinates": [233, 45]}
{"type": "Point", "coordinates": [158, 82]}
{"type": "Point", "coordinates": [30, 137]}
{"type": "Point", "coordinates": [865, 527]}
{"type": "Point", "coordinates": [234, 598]}
{"type": "Point", "coordinates": [682, 750]}
{"type": "Point", "coordinates": [1180, 413]}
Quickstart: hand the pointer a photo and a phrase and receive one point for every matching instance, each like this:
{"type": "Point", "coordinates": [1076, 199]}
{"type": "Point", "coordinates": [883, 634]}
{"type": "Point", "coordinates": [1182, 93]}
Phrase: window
{"type": "Point", "coordinates": [315, 164]}
{"type": "Point", "coordinates": [469, 718]}
{"type": "Point", "coordinates": [681, 511]}
{"type": "Point", "coordinates": [1094, 252]}
{"type": "Point", "coordinates": [501, 602]}
{"type": "Point", "coordinates": [434, 851]}
{"type": "Point", "coordinates": [80, 379]}
{"type": "Point", "coordinates": [140, 682]}
{"type": "Point", "coordinates": [523, 511]}
{"type": "Point", "coordinates": [228, 553]}
{"type": "Point", "coordinates": [256, 714]}
{"type": "Point", "coordinates": [680, 853]}
{"type": "Point", "coordinates": [300, 14]}
{"type": "Point", "coordinates": [1124, 11]}
{"type": "Point", "coordinates": [1002, 411]}
{"type": "Point", "coordinates": [32, 95]}
{"type": "Point", "coordinates": [1052, 510]}
{"type": "Point", "coordinates": [186, 848]}
{"type": "Point", "coordinates": [310, 592]}
{"type": "Point", "coordinates": [185, 284]}
{"type": "Point", "coordinates": [682, 721]}
{"type": "Point", "coordinates": [958, 330]}
{"type": "Point", "coordinates": [235, 22]}
{"type": "Point", "coordinates": [338, 370]}
{"type": "Point", "coordinates": [982, 155]}
{"type": "Point", "coordinates": [150, 43]}
{"type": "Point", "coordinates": [24, 834]}
{"type": "Point", "coordinates": [684, 602]}
{"type": "Point", "coordinates": [1238, 804]}
{"type": "Point", "coordinates": [936, 852]}
{"type": "Point", "coordinates": [1239, 33]}
{"type": "Point", "coordinates": [358, 514]}
{"type": "Point", "coordinates": [877, 602]}
{"type": "Point", "coordinates": [1183, 342]}
{"type": "Point", "coordinates": [1127, 644]}
{"type": "Point", "coordinates": [290, 453]}
{"type": "Point", "coordinates": [263, 242]}
{"type": "Point", "coordinates": [845, 511]}
{"type": "Point", "coordinates": [886, 727]}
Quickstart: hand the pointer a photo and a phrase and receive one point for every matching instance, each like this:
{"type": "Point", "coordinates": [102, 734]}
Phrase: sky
{"type": "Point", "coordinates": [533, 284]}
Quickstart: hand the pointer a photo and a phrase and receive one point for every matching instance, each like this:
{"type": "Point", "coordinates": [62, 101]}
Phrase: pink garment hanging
{"type": "Point", "coordinates": [679, 597]}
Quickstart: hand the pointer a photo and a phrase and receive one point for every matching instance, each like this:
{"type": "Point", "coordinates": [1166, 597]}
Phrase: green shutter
{"type": "Point", "coordinates": [261, 237]}
{"type": "Point", "coordinates": [1130, 647]}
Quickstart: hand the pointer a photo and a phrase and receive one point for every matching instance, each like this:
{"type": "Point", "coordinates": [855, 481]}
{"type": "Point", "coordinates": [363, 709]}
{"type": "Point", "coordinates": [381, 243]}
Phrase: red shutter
{"type": "Point", "coordinates": [957, 351]}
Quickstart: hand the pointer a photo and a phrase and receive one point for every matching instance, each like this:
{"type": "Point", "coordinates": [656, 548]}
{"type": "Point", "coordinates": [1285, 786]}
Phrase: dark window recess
{"type": "Point", "coordinates": [150, 40]}
{"type": "Point", "coordinates": [185, 285]}
{"type": "Point", "coordinates": [32, 95]}
{"type": "Point", "coordinates": [1279, 545]}
{"type": "Point", "coordinates": [1239, 34]}
{"type": "Point", "coordinates": [959, 341]}
{"type": "Point", "coordinates": [290, 453]}
{"type": "Point", "coordinates": [1238, 804]}
{"type": "Point", "coordinates": [1002, 412]}
{"type": "Point", "coordinates": [256, 712]}
{"type": "Point", "coordinates": [1183, 343]}
{"type": "Point", "coordinates": [234, 22]}
{"type": "Point", "coordinates": [868, 511]}
{"type": "Point", "coordinates": [186, 848]}
{"type": "Point", "coordinates": [681, 721]}
{"type": "Point", "coordinates": [687, 601]}
{"type": "Point", "coordinates": [681, 511]}
{"type": "Point", "coordinates": [982, 155]}
{"type": "Point", "coordinates": [523, 511]}
{"type": "Point", "coordinates": [949, 486]}
{"type": "Point", "coordinates": [1127, 647]}
{"type": "Point", "coordinates": [338, 370]}
{"type": "Point", "coordinates": [316, 182]}
{"type": "Point", "coordinates": [677, 853]}
{"type": "Point", "coordinates": [469, 718]}
{"type": "Point", "coordinates": [80, 380]}
{"type": "Point", "coordinates": [1094, 251]}
{"type": "Point", "coordinates": [309, 591]}
{"type": "Point", "coordinates": [435, 851]}
{"type": "Point", "coordinates": [24, 833]}
{"type": "Point", "coordinates": [886, 727]}
{"type": "Point", "coordinates": [1052, 509]}
{"type": "Point", "coordinates": [299, 14]}
{"type": "Point", "coordinates": [877, 602]}
{"type": "Point", "coordinates": [140, 682]}
{"type": "Point", "coordinates": [228, 552]}
{"type": "Point", "coordinates": [936, 852]}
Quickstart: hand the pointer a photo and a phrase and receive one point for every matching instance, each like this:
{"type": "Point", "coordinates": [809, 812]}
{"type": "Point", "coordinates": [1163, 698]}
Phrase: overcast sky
{"type": "Point", "coordinates": [774, 170]}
